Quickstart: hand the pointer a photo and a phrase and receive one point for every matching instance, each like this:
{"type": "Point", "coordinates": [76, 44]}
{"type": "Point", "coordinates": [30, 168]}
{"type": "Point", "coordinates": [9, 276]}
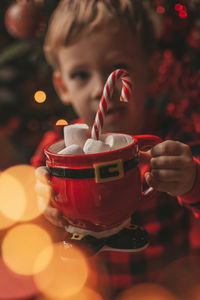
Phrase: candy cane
{"type": "Point", "coordinates": [106, 96]}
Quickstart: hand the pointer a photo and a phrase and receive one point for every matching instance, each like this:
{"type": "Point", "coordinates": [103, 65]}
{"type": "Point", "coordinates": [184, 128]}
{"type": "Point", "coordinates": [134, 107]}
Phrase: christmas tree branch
{"type": "Point", "coordinates": [14, 51]}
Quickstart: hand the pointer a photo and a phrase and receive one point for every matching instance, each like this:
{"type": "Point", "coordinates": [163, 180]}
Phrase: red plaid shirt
{"type": "Point", "coordinates": [166, 219]}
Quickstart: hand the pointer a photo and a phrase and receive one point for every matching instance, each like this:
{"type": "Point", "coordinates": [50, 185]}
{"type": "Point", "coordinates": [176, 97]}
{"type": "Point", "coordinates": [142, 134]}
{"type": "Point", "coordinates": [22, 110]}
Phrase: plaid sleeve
{"type": "Point", "coordinates": [38, 158]}
{"type": "Point", "coordinates": [50, 137]}
{"type": "Point", "coordinates": [192, 198]}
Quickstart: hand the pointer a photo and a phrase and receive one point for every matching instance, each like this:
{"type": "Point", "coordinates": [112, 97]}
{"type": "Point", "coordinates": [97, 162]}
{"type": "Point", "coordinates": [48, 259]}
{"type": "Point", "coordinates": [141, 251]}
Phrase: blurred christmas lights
{"type": "Point", "coordinates": [26, 206]}
{"type": "Point", "coordinates": [160, 9]}
{"type": "Point", "coordinates": [182, 10]}
{"type": "Point", "coordinates": [61, 122]}
{"type": "Point", "coordinates": [65, 275]}
{"type": "Point", "coordinates": [21, 247]}
{"type": "Point", "coordinates": [40, 96]}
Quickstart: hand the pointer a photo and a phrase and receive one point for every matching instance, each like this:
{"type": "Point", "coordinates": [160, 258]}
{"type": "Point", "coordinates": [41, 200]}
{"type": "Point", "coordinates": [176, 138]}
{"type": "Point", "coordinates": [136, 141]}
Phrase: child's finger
{"type": "Point", "coordinates": [171, 148]}
{"type": "Point", "coordinates": [43, 190]}
{"type": "Point", "coordinates": [166, 175]}
{"type": "Point", "coordinates": [166, 162]}
{"type": "Point", "coordinates": [42, 203]}
{"type": "Point", "coordinates": [54, 216]}
{"type": "Point", "coordinates": [167, 187]}
{"type": "Point", "coordinates": [45, 193]}
{"type": "Point", "coordinates": [42, 174]}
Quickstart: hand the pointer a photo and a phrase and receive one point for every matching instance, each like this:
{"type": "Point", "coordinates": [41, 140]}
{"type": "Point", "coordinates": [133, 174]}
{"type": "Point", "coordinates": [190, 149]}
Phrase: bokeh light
{"type": "Point", "coordinates": [195, 292]}
{"type": "Point", "coordinates": [61, 122]}
{"type": "Point", "coordinates": [85, 294]}
{"type": "Point", "coordinates": [40, 96]}
{"type": "Point", "coordinates": [22, 247]}
{"type": "Point", "coordinates": [178, 7]}
{"type": "Point", "coordinates": [5, 222]}
{"type": "Point", "coordinates": [147, 291]}
{"type": "Point", "coordinates": [183, 14]}
{"type": "Point", "coordinates": [14, 286]}
{"type": "Point", "coordinates": [182, 277]}
{"type": "Point", "coordinates": [160, 9]}
{"type": "Point", "coordinates": [65, 275]}
{"type": "Point", "coordinates": [21, 202]}
{"type": "Point", "coordinates": [12, 198]}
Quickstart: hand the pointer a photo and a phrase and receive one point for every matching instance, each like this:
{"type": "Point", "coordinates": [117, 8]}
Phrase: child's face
{"type": "Point", "coordinates": [84, 68]}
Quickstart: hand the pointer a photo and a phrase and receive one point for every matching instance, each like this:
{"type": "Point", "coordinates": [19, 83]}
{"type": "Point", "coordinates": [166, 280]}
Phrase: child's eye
{"type": "Point", "coordinates": [81, 75]}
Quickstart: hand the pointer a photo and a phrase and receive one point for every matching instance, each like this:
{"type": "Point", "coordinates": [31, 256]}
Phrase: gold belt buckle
{"type": "Point", "coordinates": [77, 236]}
{"type": "Point", "coordinates": [108, 171]}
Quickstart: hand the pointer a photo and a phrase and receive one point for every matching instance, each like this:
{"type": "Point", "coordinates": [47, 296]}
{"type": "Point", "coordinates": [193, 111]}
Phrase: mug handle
{"type": "Point", "coordinates": [145, 143]}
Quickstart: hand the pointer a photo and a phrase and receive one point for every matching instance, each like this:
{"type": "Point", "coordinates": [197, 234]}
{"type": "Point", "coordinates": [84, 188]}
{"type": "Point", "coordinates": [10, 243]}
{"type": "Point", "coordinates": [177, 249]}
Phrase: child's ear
{"type": "Point", "coordinates": [60, 87]}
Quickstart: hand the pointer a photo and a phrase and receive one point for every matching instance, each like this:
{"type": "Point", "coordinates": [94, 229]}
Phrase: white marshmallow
{"type": "Point", "coordinates": [95, 146]}
{"type": "Point", "coordinates": [76, 134]}
{"type": "Point", "coordinates": [117, 141]}
{"type": "Point", "coordinates": [72, 149]}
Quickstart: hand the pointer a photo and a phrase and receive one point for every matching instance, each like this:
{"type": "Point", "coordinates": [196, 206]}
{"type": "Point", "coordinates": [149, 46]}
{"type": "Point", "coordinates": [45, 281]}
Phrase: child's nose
{"type": "Point", "coordinates": [98, 86]}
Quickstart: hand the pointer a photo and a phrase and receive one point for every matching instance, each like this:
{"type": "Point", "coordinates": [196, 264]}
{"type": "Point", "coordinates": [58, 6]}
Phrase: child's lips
{"type": "Point", "coordinates": [114, 112]}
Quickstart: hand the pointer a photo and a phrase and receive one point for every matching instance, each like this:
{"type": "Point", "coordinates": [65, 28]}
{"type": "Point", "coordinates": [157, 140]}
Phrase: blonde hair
{"type": "Point", "coordinates": [74, 18]}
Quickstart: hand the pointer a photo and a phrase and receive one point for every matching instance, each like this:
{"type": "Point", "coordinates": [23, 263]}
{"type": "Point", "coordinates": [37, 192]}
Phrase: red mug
{"type": "Point", "coordinates": [99, 191]}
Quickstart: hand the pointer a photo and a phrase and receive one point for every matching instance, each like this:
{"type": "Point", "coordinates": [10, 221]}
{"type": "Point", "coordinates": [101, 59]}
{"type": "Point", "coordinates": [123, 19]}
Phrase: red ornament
{"type": "Point", "coordinates": [23, 19]}
{"type": "Point", "coordinates": [194, 38]}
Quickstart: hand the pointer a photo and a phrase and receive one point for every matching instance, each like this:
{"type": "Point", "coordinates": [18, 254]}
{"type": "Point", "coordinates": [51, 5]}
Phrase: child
{"type": "Point", "coordinates": [85, 42]}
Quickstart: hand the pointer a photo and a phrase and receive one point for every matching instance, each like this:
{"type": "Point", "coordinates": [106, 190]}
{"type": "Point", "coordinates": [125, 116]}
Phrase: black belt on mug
{"type": "Point", "coordinates": [103, 172]}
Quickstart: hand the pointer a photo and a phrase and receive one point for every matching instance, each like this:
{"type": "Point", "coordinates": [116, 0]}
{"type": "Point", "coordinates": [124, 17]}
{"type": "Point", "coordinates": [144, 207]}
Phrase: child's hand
{"type": "Point", "coordinates": [172, 168]}
{"type": "Point", "coordinates": [45, 193]}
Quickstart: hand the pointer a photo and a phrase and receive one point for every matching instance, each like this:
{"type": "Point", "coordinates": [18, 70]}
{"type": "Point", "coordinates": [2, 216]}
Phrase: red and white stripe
{"type": "Point", "coordinates": [106, 96]}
